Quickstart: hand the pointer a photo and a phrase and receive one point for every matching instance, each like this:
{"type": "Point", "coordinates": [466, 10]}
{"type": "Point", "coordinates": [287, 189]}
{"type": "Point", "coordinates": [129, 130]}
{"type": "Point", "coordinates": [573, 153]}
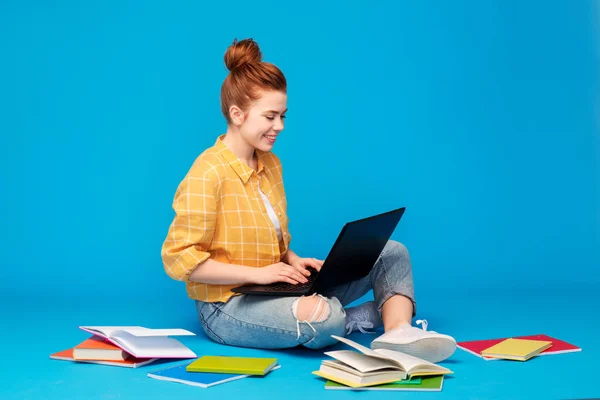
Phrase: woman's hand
{"type": "Point", "coordinates": [301, 264]}
{"type": "Point", "coordinates": [295, 272]}
{"type": "Point", "coordinates": [279, 272]}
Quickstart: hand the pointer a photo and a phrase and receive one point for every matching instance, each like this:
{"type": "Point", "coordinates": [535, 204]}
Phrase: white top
{"type": "Point", "coordinates": [272, 214]}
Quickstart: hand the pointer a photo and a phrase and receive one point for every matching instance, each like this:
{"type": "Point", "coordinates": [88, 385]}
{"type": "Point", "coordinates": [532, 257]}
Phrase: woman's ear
{"type": "Point", "coordinates": [237, 115]}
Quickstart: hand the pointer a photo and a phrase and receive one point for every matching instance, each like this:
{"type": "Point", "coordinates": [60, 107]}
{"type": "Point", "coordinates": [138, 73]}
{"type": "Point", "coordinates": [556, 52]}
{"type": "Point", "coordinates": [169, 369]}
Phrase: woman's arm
{"type": "Point", "coordinates": [193, 227]}
{"type": "Point", "coordinates": [289, 257]}
{"type": "Point", "coordinates": [218, 273]}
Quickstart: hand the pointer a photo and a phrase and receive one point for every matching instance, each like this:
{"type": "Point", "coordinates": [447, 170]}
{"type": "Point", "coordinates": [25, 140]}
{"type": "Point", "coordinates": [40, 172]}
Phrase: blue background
{"type": "Point", "coordinates": [480, 117]}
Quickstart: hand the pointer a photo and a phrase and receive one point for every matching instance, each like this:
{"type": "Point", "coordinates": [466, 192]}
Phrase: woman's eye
{"type": "Point", "coordinates": [270, 118]}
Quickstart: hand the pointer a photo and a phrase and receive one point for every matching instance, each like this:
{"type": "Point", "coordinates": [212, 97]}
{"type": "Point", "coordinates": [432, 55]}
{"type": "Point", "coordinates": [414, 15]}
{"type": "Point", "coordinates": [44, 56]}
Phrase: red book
{"type": "Point", "coordinates": [558, 346]}
{"type": "Point", "coordinates": [67, 355]}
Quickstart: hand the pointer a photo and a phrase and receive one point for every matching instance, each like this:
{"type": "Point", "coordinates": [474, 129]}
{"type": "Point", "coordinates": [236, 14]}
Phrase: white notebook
{"type": "Point", "coordinates": [145, 342]}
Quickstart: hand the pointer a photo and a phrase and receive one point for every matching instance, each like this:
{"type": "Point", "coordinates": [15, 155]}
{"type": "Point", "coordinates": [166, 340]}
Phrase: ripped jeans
{"type": "Point", "coordinates": [270, 322]}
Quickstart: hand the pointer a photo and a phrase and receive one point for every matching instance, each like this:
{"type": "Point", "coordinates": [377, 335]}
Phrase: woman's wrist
{"type": "Point", "coordinates": [252, 275]}
{"type": "Point", "coordinates": [290, 257]}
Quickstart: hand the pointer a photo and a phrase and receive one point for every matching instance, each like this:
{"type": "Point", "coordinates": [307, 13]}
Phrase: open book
{"type": "Point", "coordinates": [373, 367]}
{"type": "Point", "coordinates": [144, 342]}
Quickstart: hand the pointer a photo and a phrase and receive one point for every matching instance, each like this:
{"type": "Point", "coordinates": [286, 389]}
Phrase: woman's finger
{"type": "Point", "coordinates": [294, 274]}
{"type": "Point", "coordinates": [285, 277]}
{"type": "Point", "coordinates": [302, 269]}
{"type": "Point", "coordinates": [316, 264]}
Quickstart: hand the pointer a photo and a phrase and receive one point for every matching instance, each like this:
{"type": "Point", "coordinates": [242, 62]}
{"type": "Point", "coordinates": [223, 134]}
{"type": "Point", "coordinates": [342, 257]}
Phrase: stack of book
{"type": "Point", "coordinates": [520, 348]}
{"type": "Point", "coordinates": [208, 371]}
{"type": "Point", "coordinates": [379, 369]}
{"type": "Point", "coordinates": [126, 346]}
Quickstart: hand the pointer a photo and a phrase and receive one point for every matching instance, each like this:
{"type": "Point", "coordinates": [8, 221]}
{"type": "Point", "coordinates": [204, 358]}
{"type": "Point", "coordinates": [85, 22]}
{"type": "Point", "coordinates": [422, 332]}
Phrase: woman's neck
{"type": "Point", "coordinates": [238, 146]}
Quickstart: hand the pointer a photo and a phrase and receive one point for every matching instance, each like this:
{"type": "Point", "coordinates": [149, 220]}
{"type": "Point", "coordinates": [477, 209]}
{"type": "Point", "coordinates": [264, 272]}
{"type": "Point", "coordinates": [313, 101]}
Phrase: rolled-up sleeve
{"type": "Point", "coordinates": [188, 241]}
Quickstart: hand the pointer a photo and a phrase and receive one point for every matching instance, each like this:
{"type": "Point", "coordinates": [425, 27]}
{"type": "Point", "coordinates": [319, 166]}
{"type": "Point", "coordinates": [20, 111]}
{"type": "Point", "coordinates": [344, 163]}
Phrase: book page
{"type": "Point", "coordinates": [410, 363]}
{"type": "Point", "coordinates": [361, 348]}
{"type": "Point", "coordinates": [139, 331]}
{"type": "Point", "coordinates": [335, 364]}
{"type": "Point", "coordinates": [106, 331]}
{"type": "Point", "coordinates": [362, 362]}
{"type": "Point", "coordinates": [151, 346]}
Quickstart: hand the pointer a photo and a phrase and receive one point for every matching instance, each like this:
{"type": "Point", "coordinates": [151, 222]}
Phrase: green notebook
{"type": "Point", "coordinates": [424, 383]}
{"type": "Point", "coordinates": [232, 365]}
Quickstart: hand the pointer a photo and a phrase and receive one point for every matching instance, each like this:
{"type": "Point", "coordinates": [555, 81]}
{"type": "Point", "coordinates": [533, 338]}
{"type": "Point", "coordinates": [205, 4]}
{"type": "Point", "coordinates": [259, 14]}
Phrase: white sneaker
{"type": "Point", "coordinates": [428, 345]}
{"type": "Point", "coordinates": [364, 316]}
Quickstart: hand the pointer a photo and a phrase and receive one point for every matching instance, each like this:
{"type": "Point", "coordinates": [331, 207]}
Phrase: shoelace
{"type": "Point", "coordinates": [361, 323]}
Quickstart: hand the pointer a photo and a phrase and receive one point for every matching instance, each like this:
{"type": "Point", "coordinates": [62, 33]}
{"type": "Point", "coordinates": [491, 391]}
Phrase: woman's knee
{"type": "Point", "coordinates": [311, 308]}
{"type": "Point", "coordinates": [325, 316]}
{"type": "Point", "coordinates": [394, 262]}
{"type": "Point", "coordinates": [395, 248]}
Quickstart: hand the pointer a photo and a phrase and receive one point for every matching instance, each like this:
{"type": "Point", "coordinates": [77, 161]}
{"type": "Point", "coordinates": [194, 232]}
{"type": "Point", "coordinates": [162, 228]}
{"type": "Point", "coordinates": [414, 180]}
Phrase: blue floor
{"type": "Point", "coordinates": [33, 329]}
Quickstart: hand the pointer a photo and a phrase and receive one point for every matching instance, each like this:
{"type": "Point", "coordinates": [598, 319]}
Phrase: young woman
{"type": "Point", "coordinates": [231, 228]}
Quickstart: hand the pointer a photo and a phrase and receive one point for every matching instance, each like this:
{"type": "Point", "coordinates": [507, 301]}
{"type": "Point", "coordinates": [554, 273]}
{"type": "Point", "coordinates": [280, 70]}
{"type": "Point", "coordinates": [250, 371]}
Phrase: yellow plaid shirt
{"type": "Point", "coordinates": [220, 214]}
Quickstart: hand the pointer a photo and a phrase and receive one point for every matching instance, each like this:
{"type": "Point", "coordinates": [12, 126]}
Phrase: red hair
{"type": "Point", "coordinates": [248, 76]}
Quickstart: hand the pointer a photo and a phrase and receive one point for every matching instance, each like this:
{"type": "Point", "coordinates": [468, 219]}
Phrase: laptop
{"type": "Point", "coordinates": [352, 257]}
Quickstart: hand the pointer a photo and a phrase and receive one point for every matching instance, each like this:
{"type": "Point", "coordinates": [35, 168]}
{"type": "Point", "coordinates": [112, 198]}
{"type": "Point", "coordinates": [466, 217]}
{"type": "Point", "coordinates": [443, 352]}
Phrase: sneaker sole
{"type": "Point", "coordinates": [433, 349]}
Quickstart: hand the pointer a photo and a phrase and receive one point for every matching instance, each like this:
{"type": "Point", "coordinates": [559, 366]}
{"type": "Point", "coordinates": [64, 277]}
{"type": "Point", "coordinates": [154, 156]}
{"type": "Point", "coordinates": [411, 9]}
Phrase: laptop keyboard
{"type": "Point", "coordinates": [288, 287]}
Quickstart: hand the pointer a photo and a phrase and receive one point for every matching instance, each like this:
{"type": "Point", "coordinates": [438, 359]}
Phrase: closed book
{"type": "Point", "coordinates": [423, 384]}
{"type": "Point", "coordinates": [130, 362]}
{"type": "Point", "coordinates": [475, 347]}
{"type": "Point", "coordinates": [516, 349]}
{"type": "Point", "coordinates": [179, 374]}
{"type": "Point", "coordinates": [233, 365]}
{"type": "Point", "coordinates": [97, 348]}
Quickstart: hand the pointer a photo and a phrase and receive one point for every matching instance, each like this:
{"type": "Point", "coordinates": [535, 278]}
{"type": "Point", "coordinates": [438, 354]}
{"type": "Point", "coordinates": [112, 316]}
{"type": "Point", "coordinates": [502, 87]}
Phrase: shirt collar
{"type": "Point", "coordinates": [240, 167]}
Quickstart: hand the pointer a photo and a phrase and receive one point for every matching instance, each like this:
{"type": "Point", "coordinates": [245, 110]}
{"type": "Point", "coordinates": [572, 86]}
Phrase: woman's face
{"type": "Point", "coordinates": [264, 120]}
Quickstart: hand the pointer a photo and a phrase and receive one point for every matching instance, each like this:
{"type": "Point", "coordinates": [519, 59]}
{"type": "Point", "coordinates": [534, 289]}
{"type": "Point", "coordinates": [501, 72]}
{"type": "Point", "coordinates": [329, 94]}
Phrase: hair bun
{"type": "Point", "coordinates": [243, 52]}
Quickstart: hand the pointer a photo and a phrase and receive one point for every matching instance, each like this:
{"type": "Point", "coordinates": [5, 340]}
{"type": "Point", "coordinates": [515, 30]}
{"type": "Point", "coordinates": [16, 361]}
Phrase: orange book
{"type": "Point", "coordinates": [96, 348]}
{"type": "Point", "coordinates": [131, 362]}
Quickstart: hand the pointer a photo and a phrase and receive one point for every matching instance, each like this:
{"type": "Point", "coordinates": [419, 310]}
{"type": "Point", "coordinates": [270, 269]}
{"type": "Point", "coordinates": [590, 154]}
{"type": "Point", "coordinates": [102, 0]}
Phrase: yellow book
{"type": "Point", "coordinates": [367, 367]}
{"type": "Point", "coordinates": [516, 349]}
{"type": "Point", "coordinates": [233, 365]}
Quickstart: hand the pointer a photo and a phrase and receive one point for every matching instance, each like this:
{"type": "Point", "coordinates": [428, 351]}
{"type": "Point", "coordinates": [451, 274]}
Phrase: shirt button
{"type": "Point", "coordinates": [279, 213]}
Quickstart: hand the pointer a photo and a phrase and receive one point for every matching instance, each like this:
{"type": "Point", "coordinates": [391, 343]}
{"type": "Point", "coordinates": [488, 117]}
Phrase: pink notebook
{"type": "Point", "coordinates": [558, 346]}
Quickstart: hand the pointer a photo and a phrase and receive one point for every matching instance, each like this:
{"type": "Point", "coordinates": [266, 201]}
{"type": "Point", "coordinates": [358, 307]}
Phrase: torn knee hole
{"type": "Point", "coordinates": [311, 309]}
